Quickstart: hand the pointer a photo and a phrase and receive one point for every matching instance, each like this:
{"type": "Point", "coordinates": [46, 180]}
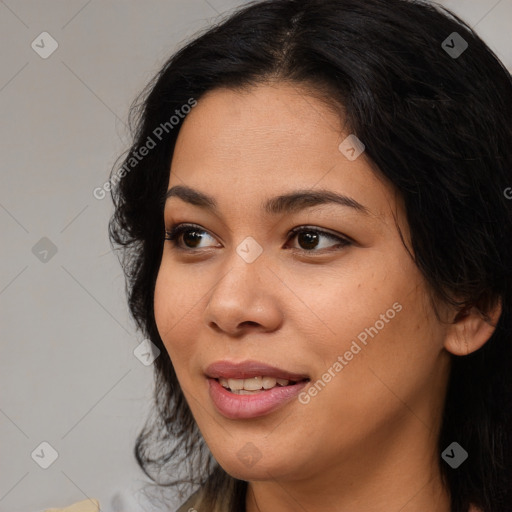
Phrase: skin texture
{"type": "Point", "coordinates": [367, 440]}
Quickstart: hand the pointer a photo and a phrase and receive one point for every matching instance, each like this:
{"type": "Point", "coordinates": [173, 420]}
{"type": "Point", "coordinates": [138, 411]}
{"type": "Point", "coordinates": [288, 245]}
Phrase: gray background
{"type": "Point", "coordinates": [68, 373]}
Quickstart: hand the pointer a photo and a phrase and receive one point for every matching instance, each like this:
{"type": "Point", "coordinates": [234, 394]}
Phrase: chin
{"type": "Point", "coordinates": [255, 473]}
{"type": "Point", "coordinates": [249, 463]}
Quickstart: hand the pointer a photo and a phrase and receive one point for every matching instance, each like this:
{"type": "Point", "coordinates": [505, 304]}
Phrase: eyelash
{"type": "Point", "coordinates": [177, 230]}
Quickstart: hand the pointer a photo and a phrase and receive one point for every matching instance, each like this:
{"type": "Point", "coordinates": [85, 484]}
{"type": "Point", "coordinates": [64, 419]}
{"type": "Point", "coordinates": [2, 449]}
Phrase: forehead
{"type": "Point", "coordinates": [264, 116]}
{"type": "Point", "coordinates": [269, 139]}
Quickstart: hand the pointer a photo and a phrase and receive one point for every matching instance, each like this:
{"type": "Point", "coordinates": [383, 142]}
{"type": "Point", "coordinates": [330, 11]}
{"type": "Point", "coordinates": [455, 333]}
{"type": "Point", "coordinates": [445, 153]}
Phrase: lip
{"type": "Point", "coordinates": [249, 369]}
{"type": "Point", "coordinates": [234, 406]}
{"type": "Point", "coordinates": [237, 407]}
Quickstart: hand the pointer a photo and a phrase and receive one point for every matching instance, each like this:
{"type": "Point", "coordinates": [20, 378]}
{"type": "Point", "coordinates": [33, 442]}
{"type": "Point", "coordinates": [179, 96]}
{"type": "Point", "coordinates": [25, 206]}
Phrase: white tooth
{"type": "Point", "coordinates": [268, 382]}
{"type": "Point", "coordinates": [244, 392]}
{"type": "Point", "coordinates": [253, 383]}
{"type": "Point", "coordinates": [236, 384]}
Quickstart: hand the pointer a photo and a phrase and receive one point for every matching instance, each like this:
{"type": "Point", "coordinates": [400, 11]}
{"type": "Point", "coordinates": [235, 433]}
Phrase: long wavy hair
{"type": "Point", "coordinates": [437, 126]}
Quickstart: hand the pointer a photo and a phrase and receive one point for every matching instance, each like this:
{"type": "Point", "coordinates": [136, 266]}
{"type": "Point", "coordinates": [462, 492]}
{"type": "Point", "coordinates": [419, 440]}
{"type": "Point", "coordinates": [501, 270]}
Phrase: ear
{"type": "Point", "coordinates": [471, 329]}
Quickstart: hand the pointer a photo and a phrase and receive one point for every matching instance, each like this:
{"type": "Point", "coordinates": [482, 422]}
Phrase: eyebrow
{"type": "Point", "coordinates": [291, 202]}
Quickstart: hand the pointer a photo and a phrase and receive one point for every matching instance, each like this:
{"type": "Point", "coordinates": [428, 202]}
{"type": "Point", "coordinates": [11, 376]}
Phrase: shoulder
{"type": "Point", "coordinates": [192, 503]}
{"type": "Point", "coordinates": [195, 504]}
{"type": "Point", "coordinates": [90, 505]}
{"type": "Point", "coordinates": [232, 489]}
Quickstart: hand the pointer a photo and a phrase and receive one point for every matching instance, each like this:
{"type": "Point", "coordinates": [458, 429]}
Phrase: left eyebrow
{"type": "Point", "coordinates": [291, 202]}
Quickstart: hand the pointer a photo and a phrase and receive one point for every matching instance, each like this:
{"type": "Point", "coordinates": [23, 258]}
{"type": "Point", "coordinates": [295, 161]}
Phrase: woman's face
{"type": "Point", "coordinates": [340, 308]}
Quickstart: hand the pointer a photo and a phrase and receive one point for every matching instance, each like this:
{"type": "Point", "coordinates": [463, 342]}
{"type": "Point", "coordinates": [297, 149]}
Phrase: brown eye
{"type": "Point", "coordinates": [309, 239]}
{"type": "Point", "coordinates": [190, 234]}
{"type": "Point", "coordinates": [188, 237]}
{"type": "Point", "coordinates": [191, 237]}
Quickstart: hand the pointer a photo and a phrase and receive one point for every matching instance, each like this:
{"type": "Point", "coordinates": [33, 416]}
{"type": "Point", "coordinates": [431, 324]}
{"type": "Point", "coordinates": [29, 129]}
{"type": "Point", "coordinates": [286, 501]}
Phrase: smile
{"type": "Point", "coordinates": [253, 385]}
{"type": "Point", "coordinates": [251, 389]}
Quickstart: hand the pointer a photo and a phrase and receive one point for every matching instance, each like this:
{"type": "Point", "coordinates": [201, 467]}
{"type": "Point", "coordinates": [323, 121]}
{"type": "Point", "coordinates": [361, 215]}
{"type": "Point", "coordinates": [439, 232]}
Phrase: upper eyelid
{"type": "Point", "coordinates": [293, 232]}
{"type": "Point", "coordinates": [325, 232]}
{"type": "Point", "coordinates": [186, 225]}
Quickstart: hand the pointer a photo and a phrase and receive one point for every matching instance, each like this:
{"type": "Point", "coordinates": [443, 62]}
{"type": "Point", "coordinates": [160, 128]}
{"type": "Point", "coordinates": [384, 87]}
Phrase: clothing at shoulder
{"type": "Point", "coordinates": [80, 506]}
{"type": "Point", "coordinates": [193, 504]}
{"type": "Point", "coordinates": [189, 504]}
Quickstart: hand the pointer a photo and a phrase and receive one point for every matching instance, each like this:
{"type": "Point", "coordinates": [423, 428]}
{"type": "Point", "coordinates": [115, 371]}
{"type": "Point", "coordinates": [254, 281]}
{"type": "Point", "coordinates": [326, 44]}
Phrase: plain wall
{"type": "Point", "coordinates": [68, 373]}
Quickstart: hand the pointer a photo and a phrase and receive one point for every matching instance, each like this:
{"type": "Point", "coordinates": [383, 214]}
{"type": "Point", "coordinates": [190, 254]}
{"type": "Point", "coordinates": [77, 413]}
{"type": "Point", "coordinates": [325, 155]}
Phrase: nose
{"type": "Point", "coordinates": [245, 298]}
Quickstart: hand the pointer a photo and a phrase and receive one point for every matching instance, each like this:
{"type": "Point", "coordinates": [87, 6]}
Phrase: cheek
{"type": "Point", "coordinates": [382, 319]}
{"type": "Point", "coordinates": [350, 302]}
{"type": "Point", "coordinates": [164, 304]}
{"type": "Point", "coordinates": [173, 308]}
{"type": "Point", "coordinates": [392, 352]}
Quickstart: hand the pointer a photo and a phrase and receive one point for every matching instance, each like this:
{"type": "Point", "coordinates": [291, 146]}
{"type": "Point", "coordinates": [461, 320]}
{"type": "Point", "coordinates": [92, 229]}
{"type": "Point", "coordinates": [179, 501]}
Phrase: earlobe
{"type": "Point", "coordinates": [471, 329]}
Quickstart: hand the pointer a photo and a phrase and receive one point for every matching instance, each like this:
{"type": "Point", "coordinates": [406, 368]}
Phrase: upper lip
{"type": "Point", "coordinates": [248, 369]}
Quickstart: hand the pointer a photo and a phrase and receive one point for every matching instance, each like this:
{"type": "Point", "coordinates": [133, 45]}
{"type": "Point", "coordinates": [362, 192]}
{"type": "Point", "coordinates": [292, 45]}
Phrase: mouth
{"type": "Point", "coordinates": [255, 385]}
{"type": "Point", "coordinates": [251, 389]}
{"type": "Point", "coordinates": [250, 369]}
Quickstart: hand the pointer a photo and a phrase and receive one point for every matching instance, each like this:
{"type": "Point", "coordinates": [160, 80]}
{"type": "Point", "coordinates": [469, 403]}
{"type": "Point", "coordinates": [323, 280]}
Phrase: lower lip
{"type": "Point", "coordinates": [237, 407]}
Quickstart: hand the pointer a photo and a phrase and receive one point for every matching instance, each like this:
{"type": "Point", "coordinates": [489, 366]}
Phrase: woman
{"type": "Point", "coordinates": [316, 236]}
